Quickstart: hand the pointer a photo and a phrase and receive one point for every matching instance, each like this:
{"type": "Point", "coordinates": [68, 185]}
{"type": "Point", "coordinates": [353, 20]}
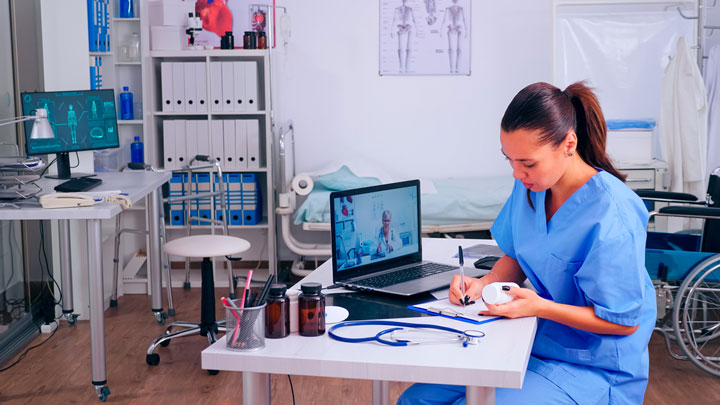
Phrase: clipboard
{"type": "Point", "coordinates": [468, 313]}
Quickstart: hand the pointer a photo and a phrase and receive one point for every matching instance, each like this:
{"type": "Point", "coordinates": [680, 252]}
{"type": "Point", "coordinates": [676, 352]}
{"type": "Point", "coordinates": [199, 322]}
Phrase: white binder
{"type": "Point", "coordinates": [239, 82]}
{"type": "Point", "coordinates": [178, 87]}
{"type": "Point", "coordinates": [190, 87]}
{"type": "Point", "coordinates": [216, 86]}
{"type": "Point", "coordinates": [227, 86]}
{"type": "Point", "coordinates": [201, 86]}
{"type": "Point", "coordinates": [166, 83]}
{"type": "Point", "coordinates": [241, 155]}
{"type": "Point", "coordinates": [191, 132]}
{"type": "Point", "coordinates": [253, 144]}
{"type": "Point", "coordinates": [216, 136]}
{"type": "Point", "coordinates": [169, 158]}
{"type": "Point", "coordinates": [229, 144]}
{"type": "Point", "coordinates": [203, 138]}
{"type": "Point", "coordinates": [181, 151]}
{"type": "Point", "coordinates": [251, 86]}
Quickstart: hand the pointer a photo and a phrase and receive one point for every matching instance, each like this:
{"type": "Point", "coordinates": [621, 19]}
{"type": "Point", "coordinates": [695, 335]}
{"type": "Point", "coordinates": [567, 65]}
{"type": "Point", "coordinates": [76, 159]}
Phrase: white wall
{"type": "Point", "coordinates": [65, 67]}
{"type": "Point", "coordinates": [419, 126]}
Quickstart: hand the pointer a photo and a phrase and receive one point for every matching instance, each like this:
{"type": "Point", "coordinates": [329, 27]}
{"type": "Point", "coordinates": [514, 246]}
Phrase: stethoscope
{"type": "Point", "coordinates": [399, 336]}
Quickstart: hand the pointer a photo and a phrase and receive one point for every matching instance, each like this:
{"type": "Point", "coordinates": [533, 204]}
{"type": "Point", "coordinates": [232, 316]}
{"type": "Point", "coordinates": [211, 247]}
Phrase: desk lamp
{"type": "Point", "coordinates": [41, 127]}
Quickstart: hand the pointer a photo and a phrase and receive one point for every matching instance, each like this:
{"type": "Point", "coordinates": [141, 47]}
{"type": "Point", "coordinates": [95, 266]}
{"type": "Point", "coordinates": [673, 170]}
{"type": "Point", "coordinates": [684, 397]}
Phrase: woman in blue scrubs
{"type": "Point", "coordinates": [577, 233]}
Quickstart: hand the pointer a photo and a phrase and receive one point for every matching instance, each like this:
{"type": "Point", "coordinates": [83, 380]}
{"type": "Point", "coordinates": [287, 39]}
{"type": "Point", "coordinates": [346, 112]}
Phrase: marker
{"type": "Point", "coordinates": [462, 276]}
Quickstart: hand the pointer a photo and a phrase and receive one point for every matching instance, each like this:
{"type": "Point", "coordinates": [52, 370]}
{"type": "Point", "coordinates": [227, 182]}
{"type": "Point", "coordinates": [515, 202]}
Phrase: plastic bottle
{"type": "Point", "coordinates": [127, 9]}
{"type": "Point", "coordinates": [137, 151]}
{"type": "Point", "coordinates": [134, 47]}
{"type": "Point", "coordinates": [277, 313]}
{"type": "Point", "coordinates": [126, 105]}
{"type": "Point", "coordinates": [311, 308]}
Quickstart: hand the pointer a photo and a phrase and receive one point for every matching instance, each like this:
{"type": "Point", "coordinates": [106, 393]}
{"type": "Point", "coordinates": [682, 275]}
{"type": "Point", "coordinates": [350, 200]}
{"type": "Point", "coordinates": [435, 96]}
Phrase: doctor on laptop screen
{"type": "Point", "coordinates": [373, 227]}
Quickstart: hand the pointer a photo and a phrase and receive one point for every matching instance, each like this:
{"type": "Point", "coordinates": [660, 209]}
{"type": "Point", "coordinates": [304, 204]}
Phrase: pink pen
{"type": "Point", "coordinates": [242, 305]}
{"type": "Point", "coordinates": [229, 304]}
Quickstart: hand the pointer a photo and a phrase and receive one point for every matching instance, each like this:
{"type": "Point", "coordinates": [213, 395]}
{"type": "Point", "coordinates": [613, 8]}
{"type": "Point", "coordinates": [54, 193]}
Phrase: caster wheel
{"type": "Point", "coordinates": [186, 286]}
{"type": "Point", "coordinates": [165, 343]}
{"type": "Point", "coordinates": [72, 319]}
{"type": "Point", "coordinates": [102, 393]}
{"type": "Point", "coordinates": [213, 372]}
{"type": "Point", "coordinates": [152, 359]}
{"type": "Point", "coordinates": [113, 303]}
{"type": "Point", "coordinates": [160, 317]}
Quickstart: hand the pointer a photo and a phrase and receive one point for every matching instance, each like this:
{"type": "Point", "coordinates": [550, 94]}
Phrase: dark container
{"type": "Point", "coordinates": [277, 313]}
{"type": "Point", "coordinates": [311, 307]}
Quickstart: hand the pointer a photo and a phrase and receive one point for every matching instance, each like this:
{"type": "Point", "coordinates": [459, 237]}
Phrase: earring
{"type": "Point", "coordinates": [570, 154]}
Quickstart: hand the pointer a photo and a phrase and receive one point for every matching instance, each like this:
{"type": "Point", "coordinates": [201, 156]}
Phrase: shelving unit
{"type": "Point", "coordinates": [261, 235]}
{"type": "Point", "coordinates": [118, 72]}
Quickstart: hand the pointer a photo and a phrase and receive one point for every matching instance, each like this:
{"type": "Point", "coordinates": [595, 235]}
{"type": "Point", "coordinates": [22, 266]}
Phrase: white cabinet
{"type": "Point", "coordinates": [215, 102]}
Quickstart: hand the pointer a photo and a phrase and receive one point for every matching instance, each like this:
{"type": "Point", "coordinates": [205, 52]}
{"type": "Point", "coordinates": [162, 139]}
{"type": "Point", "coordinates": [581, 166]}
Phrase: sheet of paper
{"type": "Point", "coordinates": [445, 307]}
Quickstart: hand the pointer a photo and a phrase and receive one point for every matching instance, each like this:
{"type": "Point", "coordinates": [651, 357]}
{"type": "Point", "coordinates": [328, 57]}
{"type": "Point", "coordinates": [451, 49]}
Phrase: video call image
{"type": "Point", "coordinates": [80, 120]}
{"type": "Point", "coordinates": [375, 226]}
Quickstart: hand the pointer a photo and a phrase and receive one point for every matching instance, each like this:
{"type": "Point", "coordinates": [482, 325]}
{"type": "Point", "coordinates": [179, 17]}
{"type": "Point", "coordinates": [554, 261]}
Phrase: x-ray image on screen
{"type": "Point", "coordinates": [80, 120]}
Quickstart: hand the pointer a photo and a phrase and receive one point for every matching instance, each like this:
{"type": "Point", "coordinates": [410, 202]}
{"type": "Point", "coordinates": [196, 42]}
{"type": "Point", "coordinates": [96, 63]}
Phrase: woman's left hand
{"type": "Point", "coordinates": [526, 303]}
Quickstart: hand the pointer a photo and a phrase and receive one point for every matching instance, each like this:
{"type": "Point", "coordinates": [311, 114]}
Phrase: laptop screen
{"type": "Point", "coordinates": [375, 227]}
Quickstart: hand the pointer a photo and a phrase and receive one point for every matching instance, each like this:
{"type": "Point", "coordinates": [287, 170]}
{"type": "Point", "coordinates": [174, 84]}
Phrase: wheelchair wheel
{"type": "Point", "coordinates": [696, 315]}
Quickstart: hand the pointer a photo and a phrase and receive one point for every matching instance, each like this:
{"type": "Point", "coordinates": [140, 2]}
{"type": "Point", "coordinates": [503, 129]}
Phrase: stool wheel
{"type": "Point", "coordinates": [152, 359]}
{"type": "Point", "coordinates": [213, 372]}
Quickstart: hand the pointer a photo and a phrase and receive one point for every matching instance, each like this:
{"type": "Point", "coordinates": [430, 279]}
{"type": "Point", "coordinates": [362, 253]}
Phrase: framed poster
{"type": "Point", "coordinates": [425, 37]}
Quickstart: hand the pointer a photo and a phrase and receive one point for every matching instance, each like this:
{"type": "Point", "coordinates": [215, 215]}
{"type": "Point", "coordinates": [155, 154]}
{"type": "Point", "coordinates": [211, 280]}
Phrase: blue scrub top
{"type": "Point", "coordinates": [590, 253]}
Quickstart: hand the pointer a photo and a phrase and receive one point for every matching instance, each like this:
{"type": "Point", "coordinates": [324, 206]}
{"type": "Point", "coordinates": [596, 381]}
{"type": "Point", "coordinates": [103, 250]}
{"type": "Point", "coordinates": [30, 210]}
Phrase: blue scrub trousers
{"type": "Point", "coordinates": [536, 390]}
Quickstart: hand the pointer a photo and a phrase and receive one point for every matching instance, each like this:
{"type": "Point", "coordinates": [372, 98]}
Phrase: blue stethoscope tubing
{"type": "Point", "coordinates": [466, 335]}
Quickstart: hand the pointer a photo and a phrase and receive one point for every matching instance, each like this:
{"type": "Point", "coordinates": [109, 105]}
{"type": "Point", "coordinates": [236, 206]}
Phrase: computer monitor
{"type": "Point", "coordinates": [81, 120]}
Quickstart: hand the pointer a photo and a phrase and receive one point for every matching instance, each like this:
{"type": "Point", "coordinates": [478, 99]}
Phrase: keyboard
{"type": "Point", "coordinates": [78, 185]}
{"type": "Point", "coordinates": [400, 276]}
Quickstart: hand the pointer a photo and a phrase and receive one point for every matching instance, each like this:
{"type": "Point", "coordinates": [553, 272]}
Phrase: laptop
{"type": "Point", "coordinates": [376, 244]}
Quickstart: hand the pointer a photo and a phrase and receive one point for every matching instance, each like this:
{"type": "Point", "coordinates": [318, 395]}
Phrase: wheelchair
{"type": "Point", "coordinates": [685, 269]}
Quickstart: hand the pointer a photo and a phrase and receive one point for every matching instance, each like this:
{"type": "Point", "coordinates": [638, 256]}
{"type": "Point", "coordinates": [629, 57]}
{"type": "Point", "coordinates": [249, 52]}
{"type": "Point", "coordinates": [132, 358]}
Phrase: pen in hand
{"type": "Point", "coordinates": [461, 261]}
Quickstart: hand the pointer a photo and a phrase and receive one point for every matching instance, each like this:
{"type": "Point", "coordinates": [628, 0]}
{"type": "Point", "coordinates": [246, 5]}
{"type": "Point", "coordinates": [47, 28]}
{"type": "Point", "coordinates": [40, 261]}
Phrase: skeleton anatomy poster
{"type": "Point", "coordinates": [425, 37]}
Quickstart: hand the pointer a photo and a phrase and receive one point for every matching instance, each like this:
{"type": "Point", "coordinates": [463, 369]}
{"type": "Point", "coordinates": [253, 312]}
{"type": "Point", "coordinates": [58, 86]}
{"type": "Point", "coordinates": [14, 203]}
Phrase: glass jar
{"type": "Point", "coordinates": [277, 313]}
{"type": "Point", "coordinates": [133, 47]}
{"type": "Point", "coordinates": [311, 310]}
{"type": "Point", "coordinates": [262, 40]}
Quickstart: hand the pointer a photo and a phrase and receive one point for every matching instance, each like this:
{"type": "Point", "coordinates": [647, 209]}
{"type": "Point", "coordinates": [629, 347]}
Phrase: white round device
{"type": "Point", "coordinates": [494, 294]}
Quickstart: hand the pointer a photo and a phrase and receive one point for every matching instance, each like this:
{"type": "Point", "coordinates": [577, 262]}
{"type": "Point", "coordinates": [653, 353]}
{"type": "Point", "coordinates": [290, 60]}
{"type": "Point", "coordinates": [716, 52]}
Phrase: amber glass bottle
{"type": "Point", "coordinates": [277, 313]}
{"type": "Point", "coordinates": [311, 307]}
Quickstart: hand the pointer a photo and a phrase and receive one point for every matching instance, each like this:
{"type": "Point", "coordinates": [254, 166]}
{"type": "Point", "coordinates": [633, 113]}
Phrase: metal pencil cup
{"type": "Point", "coordinates": [245, 327]}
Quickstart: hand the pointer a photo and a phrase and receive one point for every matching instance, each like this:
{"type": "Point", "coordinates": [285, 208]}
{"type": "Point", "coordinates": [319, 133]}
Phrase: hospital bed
{"type": "Point", "coordinates": [451, 206]}
{"type": "Point", "coordinates": [685, 269]}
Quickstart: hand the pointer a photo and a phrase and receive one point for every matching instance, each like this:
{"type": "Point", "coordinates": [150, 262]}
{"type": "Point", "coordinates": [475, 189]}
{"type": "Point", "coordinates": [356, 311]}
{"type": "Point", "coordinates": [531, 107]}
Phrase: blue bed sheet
{"type": "Point", "coordinates": [457, 201]}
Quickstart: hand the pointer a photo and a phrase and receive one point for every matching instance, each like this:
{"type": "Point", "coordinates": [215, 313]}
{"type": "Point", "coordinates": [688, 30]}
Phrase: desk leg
{"type": "Point", "coordinates": [154, 261]}
{"type": "Point", "coordinates": [97, 305]}
{"type": "Point", "coordinates": [255, 388]}
{"type": "Point", "coordinates": [66, 272]}
{"type": "Point", "coordinates": [479, 395]}
{"type": "Point", "coordinates": [380, 392]}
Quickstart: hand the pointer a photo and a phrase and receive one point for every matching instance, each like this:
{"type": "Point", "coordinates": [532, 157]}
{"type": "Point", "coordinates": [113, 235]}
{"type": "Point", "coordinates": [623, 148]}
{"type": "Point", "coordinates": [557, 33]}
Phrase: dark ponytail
{"type": "Point", "coordinates": [544, 107]}
{"type": "Point", "coordinates": [591, 128]}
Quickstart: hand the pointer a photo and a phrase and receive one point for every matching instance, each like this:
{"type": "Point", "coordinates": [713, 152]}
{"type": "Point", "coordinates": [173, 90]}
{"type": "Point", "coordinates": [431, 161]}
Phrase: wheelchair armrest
{"type": "Point", "coordinates": [665, 195]}
{"type": "Point", "coordinates": [700, 212]}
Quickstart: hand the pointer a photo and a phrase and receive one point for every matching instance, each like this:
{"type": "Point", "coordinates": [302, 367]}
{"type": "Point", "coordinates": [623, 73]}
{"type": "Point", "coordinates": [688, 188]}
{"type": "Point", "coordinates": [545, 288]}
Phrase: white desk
{"type": "Point", "coordinates": [500, 360]}
{"type": "Point", "coordinates": [137, 185]}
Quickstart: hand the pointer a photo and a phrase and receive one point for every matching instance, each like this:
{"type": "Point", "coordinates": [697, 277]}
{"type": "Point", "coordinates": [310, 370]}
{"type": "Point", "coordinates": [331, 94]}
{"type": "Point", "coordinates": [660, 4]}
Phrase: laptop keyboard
{"type": "Point", "coordinates": [411, 273]}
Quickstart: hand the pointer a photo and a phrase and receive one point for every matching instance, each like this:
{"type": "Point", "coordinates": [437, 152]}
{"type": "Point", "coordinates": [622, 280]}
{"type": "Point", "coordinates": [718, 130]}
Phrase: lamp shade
{"type": "Point", "coordinates": [41, 127]}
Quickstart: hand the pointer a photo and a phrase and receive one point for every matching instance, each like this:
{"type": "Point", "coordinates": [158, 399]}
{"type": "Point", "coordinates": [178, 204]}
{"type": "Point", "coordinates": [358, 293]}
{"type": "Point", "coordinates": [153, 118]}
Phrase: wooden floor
{"type": "Point", "coordinates": [58, 372]}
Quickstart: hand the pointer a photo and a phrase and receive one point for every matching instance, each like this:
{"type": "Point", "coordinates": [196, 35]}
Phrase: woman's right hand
{"type": "Point", "coordinates": [473, 289]}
